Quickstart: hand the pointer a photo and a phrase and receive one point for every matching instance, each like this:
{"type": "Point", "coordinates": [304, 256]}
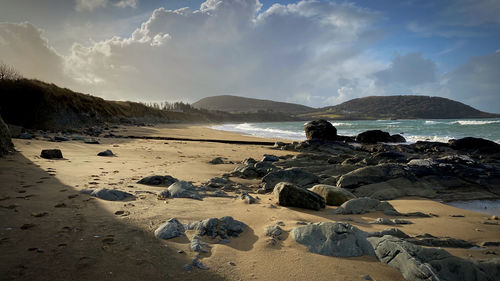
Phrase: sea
{"type": "Point", "coordinates": [440, 130]}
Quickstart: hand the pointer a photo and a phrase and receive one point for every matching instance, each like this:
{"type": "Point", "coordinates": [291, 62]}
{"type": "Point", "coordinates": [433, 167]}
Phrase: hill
{"type": "Point", "coordinates": [241, 104]}
{"type": "Point", "coordinates": [399, 107]}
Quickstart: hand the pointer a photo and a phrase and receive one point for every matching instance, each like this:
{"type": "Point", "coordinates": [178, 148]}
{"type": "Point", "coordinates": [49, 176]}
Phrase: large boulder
{"type": "Point", "coordinates": [476, 144]}
{"type": "Point", "coordinates": [158, 180]}
{"type": "Point", "coordinates": [321, 130]}
{"type": "Point", "coordinates": [108, 194]}
{"type": "Point", "coordinates": [366, 205]}
{"type": "Point", "coordinates": [372, 174]}
{"type": "Point", "coordinates": [289, 195]}
{"type": "Point", "coordinates": [333, 239]}
{"type": "Point", "coordinates": [183, 189]}
{"type": "Point", "coordinates": [295, 176]}
{"type": "Point", "coordinates": [5, 142]}
{"type": "Point", "coordinates": [374, 136]}
{"type": "Point", "coordinates": [417, 263]}
{"type": "Point", "coordinates": [334, 196]}
{"type": "Point", "coordinates": [224, 227]}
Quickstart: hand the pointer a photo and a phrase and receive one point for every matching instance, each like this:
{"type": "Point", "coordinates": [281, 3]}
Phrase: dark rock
{"type": "Point", "coordinates": [216, 161]}
{"type": "Point", "coordinates": [51, 154]}
{"type": "Point", "coordinates": [475, 144]}
{"type": "Point", "coordinates": [91, 141]}
{"type": "Point", "coordinates": [389, 231]}
{"type": "Point", "coordinates": [183, 189]}
{"type": "Point", "coordinates": [320, 129]}
{"type": "Point", "coordinates": [295, 176]}
{"type": "Point", "coordinates": [25, 136]}
{"type": "Point", "coordinates": [366, 205]}
{"type": "Point", "coordinates": [253, 169]}
{"type": "Point", "coordinates": [197, 245]}
{"type": "Point", "coordinates": [373, 174]}
{"type": "Point", "coordinates": [333, 239]}
{"type": "Point", "coordinates": [6, 144]}
{"type": "Point", "coordinates": [224, 227]}
{"type": "Point", "coordinates": [218, 182]}
{"type": "Point", "coordinates": [375, 136]}
{"type": "Point", "coordinates": [158, 180]}
{"type": "Point", "coordinates": [170, 229]}
{"type": "Point", "coordinates": [490, 244]}
{"type": "Point", "coordinates": [247, 198]}
{"type": "Point", "coordinates": [289, 195]}
{"type": "Point", "coordinates": [107, 152]}
{"type": "Point", "coordinates": [108, 194]}
{"type": "Point", "coordinates": [59, 138]}
{"type": "Point", "coordinates": [270, 158]}
{"type": "Point", "coordinates": [334, 196]}
{"type": "Point", "coordinates": [273, 231]}
{"type": "Point", "coordinates": [397, 138]}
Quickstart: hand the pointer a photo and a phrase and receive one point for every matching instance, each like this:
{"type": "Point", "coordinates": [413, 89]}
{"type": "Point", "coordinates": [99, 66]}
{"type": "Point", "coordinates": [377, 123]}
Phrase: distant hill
{"type": "Point", "coordinates": [399, 107]}
{"type": "Point", "coordinates": [241, 104]}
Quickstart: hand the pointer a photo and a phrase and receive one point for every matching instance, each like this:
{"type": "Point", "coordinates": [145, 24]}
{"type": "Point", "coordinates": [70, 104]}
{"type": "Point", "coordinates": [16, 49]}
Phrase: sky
{"type": "Point", "coordinates": [316, 53]}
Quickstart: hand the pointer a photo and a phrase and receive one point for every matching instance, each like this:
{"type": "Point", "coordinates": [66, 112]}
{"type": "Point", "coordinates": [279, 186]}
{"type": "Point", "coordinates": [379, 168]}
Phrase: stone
{"type": "Point", "coordinates": [107, 152]}
{"type": "Point", "coordinates": [396, 188]}
{"type": "Point", "coordinates": [334, 196]}
{"type": "Point", "coordinates": [366, 205]}
{"type": "Point", "coordinates": [51, 154]}
{"type": "Point", "coordinates": [216, 161]}
{"type": "Point", "coordinates": [247, 198]}
{"type": "Point", "coordinates": [448, 242]}
{"type": "Point", "coordinates": [478, 144]}
{"type": "Point", "coordinates": [60, 138]}
{"type": "Point", "coordinates": [295, 176]}
{"type": "Point", "coordinates": [389, 231]}
{"type": "Point", "coordinates": [162, 195]}
{"type": "Point", "coordinates": [108, 194]}
{"type": "Point", "coordinates": [158, 180]}
{"type": "Point", "coordinates": [372, 174]}
{"type": "Point", "coordinates": [375, 136]}
{"type": "Point", "coordinates": [289, 195]}
{"type": "Point", "coordinates": [6, 144]}
{"type": "Point", "coordinates": [224, 227]}
{"type": "Point", "coordinates": [273, 231]}
{"type": "Point", "coordinates": [270, 158]}
{"type": "Point", "coordinates": [218, 182]}
{"type": "Point", "coordinates": [197, 245]}
{"type": "Point", "coordinates": [183, 189]}
{"type": "Point", "coordinates": [334, 239]}
{"type": "Point", "coordinates": [321, 130]}
{"type": "Point", "coordinates": [170, 229]}
{"type": "Point", "coordinates": [25, 136]}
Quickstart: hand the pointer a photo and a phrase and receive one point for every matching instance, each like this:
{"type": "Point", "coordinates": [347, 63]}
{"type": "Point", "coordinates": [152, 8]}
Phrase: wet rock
{"type": "Point", "coordinates": [51, 154]}
{"type": "Point", "coordinates": [224, 227]}
{"type": "Point", "coordinates": [366, 205]}
{"type": "Point", "coordinates": [375, 136]}
{"type": "Point", "coordinates": [183, 189]}
{"type": "Point", "coordinates": [158, 180]}
{"type": "Point", "coordinates": [321, 130]}
{"type": "Point", "coordinates": [333, 239]}
{"type": "Point", "coordinates": [108, 194]}
{"type": "Point", "coordinates": [170, 229]}
{"type": "Point", "coordinates": [107, 152]}
{"type": "Point", "coordinates": [295, 176]}
{"type": "Point", "coordinates": [334, 196]}
{"type": "Point", "coordinates": [289, 195]}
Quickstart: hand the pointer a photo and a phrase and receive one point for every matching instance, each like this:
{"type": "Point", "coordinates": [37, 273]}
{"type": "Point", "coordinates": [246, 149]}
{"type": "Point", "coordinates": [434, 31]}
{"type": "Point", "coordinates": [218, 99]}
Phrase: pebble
{"type": "Point", "coordinates": [232, 263]}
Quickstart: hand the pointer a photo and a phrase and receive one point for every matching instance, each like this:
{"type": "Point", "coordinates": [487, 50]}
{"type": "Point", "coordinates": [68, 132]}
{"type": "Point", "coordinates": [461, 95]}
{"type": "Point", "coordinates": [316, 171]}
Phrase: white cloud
{"type": "Point", "coordinates": [90, 5]}
{"type": "Point", "coordinates": [126, 3]}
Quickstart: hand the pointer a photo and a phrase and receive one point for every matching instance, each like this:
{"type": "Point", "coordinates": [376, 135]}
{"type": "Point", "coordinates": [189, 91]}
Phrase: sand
{"type": "Point", "coordinates": [83, 238]}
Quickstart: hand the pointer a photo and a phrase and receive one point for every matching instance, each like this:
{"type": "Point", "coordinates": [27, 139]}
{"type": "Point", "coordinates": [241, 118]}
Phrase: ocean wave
{"type": "Point", "coordinates": [431, 122]}
{"type": "Point", "coordinates": [250, 129]}
{"type": "Point", "coordinates": [413, 139]}
{"type": "Point", "coordinates": [475, 122]}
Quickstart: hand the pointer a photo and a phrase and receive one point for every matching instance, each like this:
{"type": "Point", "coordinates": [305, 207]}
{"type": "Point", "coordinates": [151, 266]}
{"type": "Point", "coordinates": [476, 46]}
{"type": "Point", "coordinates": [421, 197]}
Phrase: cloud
{"type": "Point", "coordinates": [408, 70]}
{"type": "Point", "coordinates": [475, 82]}
{"type": "Point", "coordinates": [90, 5]}
{"type": "Point", "coordinates": [126, 3]}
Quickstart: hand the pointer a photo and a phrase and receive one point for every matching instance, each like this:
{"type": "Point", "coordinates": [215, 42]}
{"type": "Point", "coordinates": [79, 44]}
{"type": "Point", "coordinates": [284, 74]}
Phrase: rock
{"type": "Point", "coordinates": [334, 196]}
{"type": "Point", "coordinates": [91, 141]}
{"type": "Point", "coordinates": [247, 198]}
{"type": "Point", "coordinates": [25, 136]}
{"type": "Point", "coordinates": [273, 231]}
{"type": "Point", "coordinates": [448, 242]}
{"type": "Point", "coordinates": [51, 154]}
{"type": "Point", "coordinates": [333, 239]}
{"type": "Point", "coordinates": [321, 130]}
{"type": "Point", "coordinates": [289, 195]}
{"type": "Point", "coordinates": [374, 136]}
{"type": "Point", "coordinates": [162, 195]}
{"type": "Point", "coordinates": [372, 174]}
{"type": "Point", "coordinates": [108, 194]}
{"type": "Point", "coordinates": [158, 180]}
{"type": "Point", "coordinates": [389, 231]}
{"type": "Point", "coordinates": [475, 144]}
{"type": "Point", "coordinates": [170, 229]}
{"type": "Point", "coordinates": [216, 161]}
{"type": "Point", "coordinates": [419, 264]}
{"type": "Point", "coordinates": [107, 152]}
{"type": "Point", "coordinates": [387, 221]}
{"type": "Point", "coordinates": [366, 205]}
{"type": "Point", "coordinates": [6, 144]}
{"type": "Point", "coordinates": [224, 227]}
{"type": "Point", "coordinates": [254, 169]}
{"type": "Point", "coordinates": [490, 244]}
{"type": "Point", "coordinates": [396, 188]}
{"type": "Point", "coordinates": [217, 182]}
{"type": "Point", "coordinates": [278, 144]}
{"type": "Point", "coordinates": [183, 189]}
{"type": "Point", "coordinates": [220, 193]}
{"type": "Point", "coordinates": [59, 138]}
{"type": "Point", "coordinates": [295, 176]}
{"type": "Point", "coordinates": [270, 158]}
{"type": "Point", "coordinates": [197, 245]}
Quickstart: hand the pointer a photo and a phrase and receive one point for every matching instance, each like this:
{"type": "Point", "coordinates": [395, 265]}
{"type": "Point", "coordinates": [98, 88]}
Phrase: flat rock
{"type": "Point", "coordinates": [295, 176]}
{"type": "Point", "coordinates": [158, 180]}
{"type": "Point", "coordinates": [366, 205]}
{"type": "Point", "coordinates": [289, 195]}
{"type": "Point", "coordinates": [170, 229]}
{"type": "Point", "coordinates": [333, 239]}
{"type": "Point", "coordinates": [334, 196]}
{"type": "Point", "coordinates": [108, 194]}
{"type": "Point", "coordinates": [183, 189]}
{"type": "Point", "coordinates": [51, 154]}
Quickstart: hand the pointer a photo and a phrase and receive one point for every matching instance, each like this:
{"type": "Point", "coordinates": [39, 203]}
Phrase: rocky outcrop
{"type": "Point", "coordinates": [253, 169]}
{"type": "Point", "coordinates": [333, 239]}
{"type": "Point", "coordinates": [295, 176]}
{"type": "Point", "coordinates": [320, 130]}
{"type": "Point", "coordinates": [366, 205]}
{"type": "Point", "coordinates": [289, 195]}
{"type": "Point", "coordinates": [108, 194]}
{"type": "Point", "coordinates": [475, 144]}
{"type": "Point", "coordinates": [372, 174]}
{"type": "Point", "coordinates": [5, 142]}
{"type": "Point", "coordinates": [375, 136]}
{"type": "Point", "coordinates": [334, 196]}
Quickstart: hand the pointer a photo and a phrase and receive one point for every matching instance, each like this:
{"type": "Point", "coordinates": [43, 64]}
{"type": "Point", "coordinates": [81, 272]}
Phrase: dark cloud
{"type": "Point", "coordinates": [411, 69]}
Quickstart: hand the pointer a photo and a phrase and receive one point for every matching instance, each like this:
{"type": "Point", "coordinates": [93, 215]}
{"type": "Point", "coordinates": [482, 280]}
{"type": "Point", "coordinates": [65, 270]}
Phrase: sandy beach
{"type": "Point", "coordinates": [50, 231]}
